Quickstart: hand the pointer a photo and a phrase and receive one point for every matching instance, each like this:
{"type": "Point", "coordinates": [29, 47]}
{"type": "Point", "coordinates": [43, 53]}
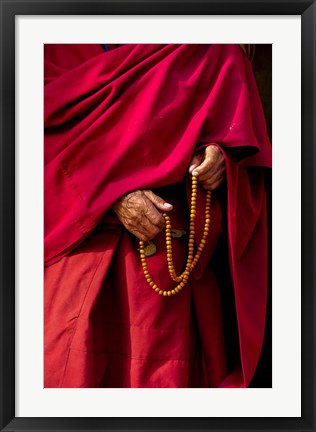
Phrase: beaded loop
{"type": "Point", "coordinates": [192, 259]}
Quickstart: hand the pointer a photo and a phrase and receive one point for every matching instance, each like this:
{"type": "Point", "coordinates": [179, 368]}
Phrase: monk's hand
{"type": "Point", "coordinates": [209, 167]}
{"type": "Point", "coordinates": [141, 213]}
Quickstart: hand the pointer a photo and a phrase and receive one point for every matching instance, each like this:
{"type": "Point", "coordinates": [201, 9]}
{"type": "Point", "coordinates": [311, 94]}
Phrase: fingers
{"type": "Point", "coordinates": [215, 181]}
{"type": "Point", "coordinates": [195, 162]}
{"type": "Point", "coordinates": [147, 222]}
{"type": "Point", "coordinates": [216, 169]}
{"type": "Point", "coordinates": [139, 215]}
{"type": "Point", "coordinates": [153, 216]}
{"type": "Point", "coordinates": [157, 201]}
{"type": "Point", "coordinates": [211, 171]}
{"type": "Point", "coordinates": [211, 156]}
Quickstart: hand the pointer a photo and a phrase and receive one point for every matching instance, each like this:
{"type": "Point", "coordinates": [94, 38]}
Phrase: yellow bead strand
{"type": "Point", "coordinates": [191, 259]}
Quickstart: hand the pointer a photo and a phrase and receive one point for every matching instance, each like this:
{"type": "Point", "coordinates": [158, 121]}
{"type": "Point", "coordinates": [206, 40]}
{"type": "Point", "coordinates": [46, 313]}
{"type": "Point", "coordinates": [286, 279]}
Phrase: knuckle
{"type": "Point", "coordinates": [157, 218]}
{"type": "Point", "coordinates": [207, 187]}
{"type": "Point", "coordinates": [207, 184]}
{"type": "Point", "coordinates": [207, 178]}
{"type": "Point", "coordinates": [148, 212]}
{"type": "Point", "coordinates": [161, 223]}
{"type": "Point", "coordinates": [137, 217]}
{"type": "Point", "coordinates": [156, 230]}
{"type": "Point", "coordinates": [159, 200]}
{"type": "Point", "coordinates": [150, 236]}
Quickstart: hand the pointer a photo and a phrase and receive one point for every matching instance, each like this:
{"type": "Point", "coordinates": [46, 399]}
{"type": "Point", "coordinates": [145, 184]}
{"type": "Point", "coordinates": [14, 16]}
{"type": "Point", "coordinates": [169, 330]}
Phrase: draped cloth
{"type": "Point", "coordinates": [130, 119]}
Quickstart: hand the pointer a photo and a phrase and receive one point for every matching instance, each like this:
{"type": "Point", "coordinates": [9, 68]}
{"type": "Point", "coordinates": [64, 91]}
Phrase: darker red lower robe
{"type": "Point", "coordinates": [130, 119]}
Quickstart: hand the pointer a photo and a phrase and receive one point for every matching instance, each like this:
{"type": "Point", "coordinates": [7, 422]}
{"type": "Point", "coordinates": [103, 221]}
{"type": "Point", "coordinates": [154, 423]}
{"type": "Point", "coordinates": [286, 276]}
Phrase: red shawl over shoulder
{"type": "Point", "coordinates": [131, 119]}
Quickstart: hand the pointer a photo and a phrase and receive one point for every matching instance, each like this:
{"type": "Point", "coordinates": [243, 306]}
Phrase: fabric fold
{"type": "Point", "coordinates": [131, 118]}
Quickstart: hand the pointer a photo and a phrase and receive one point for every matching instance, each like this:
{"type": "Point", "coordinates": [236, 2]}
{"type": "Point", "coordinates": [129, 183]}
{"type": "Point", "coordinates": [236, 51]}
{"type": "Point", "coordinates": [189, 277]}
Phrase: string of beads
{"type": "Point", "coordinates": [192, 259]}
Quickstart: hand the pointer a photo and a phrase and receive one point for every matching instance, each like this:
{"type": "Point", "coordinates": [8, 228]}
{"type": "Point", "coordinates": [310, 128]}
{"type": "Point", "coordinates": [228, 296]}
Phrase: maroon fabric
{"type": "Point", "coordinates": [129, 119]}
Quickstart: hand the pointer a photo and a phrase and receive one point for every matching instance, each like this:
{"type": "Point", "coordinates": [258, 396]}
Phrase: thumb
{"type": "Point", "coordinates": [210, 158]}
{"type": "Point", "coordinates": [195, 162]}
{"type": "Point", "coordinates": [158, 201]}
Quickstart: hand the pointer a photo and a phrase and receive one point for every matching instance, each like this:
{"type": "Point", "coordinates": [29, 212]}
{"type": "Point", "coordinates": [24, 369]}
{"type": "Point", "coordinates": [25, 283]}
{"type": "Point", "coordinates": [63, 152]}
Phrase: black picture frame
{"type": "Point", "coordinates": [9, 10]}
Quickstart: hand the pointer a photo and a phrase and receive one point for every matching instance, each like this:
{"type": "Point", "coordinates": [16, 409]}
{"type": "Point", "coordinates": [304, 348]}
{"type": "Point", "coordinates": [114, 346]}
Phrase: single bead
{"type": "Point", "coordinates": [165, 293]}
{"type": "Point", "coordinates": [161, 292]}
{"type": "Point", "coordinates": [169, 293]}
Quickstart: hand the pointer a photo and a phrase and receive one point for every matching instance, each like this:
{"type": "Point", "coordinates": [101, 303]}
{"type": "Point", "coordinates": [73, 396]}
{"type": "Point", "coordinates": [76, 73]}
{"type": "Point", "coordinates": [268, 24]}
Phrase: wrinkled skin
{"type": "Point", "coordinates": [141, 211]}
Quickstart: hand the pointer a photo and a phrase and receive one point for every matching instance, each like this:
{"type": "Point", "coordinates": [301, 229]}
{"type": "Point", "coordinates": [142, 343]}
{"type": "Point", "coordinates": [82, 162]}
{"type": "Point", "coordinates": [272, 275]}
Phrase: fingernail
{"type": "Point", "coordinates": [166, 205]}
{"type": "Point", "coordinates": [192, 168]}
{"type": "Point", "coordinates": [195, 173]}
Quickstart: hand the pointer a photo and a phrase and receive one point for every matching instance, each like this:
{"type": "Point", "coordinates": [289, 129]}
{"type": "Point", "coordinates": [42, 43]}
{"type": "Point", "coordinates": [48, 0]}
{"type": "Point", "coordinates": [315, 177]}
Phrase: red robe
{"type": "Point", "coordinates": [131, 119]}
